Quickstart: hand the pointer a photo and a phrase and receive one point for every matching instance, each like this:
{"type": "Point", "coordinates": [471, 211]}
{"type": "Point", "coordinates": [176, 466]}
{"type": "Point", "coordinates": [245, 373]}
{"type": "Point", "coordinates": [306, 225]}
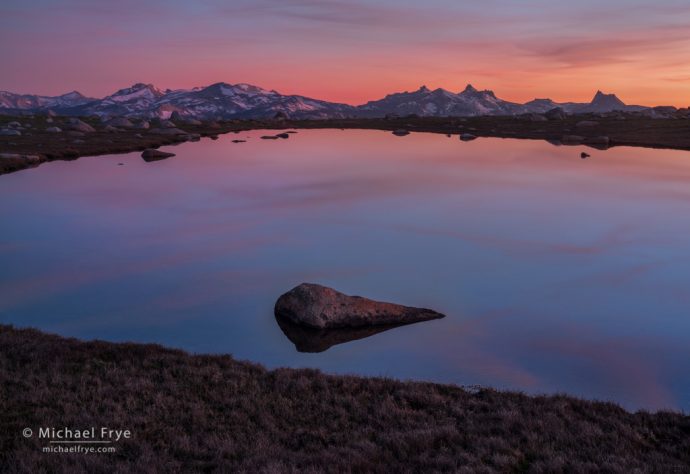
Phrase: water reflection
{"type": "Point", "coordinates": [308, 339]}
{"type": "Point", "coordinates": [557, 274]}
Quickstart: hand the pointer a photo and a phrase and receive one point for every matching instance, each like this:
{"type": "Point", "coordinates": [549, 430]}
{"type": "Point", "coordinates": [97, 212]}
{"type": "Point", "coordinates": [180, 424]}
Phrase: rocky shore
{"type": "Point", "coordinates": [203, 413]}
{"type": "Point", "coordinates": [28, 141]}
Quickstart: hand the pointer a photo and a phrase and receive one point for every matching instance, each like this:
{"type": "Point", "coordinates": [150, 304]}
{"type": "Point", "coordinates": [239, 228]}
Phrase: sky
{"type": "Point", "coordinates": [352, 51]}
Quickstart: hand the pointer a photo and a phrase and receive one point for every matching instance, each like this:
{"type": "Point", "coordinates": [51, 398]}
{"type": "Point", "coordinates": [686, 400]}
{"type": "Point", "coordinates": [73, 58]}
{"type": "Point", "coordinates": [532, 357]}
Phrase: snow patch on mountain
{"type": "Point", "coordinates": [225, 101]}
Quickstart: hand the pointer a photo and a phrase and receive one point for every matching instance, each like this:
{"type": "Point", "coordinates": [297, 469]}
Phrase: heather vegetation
{"type": "Point", "coordinates": [201, 413]}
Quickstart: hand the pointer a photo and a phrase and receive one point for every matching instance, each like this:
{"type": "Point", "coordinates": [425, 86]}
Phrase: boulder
{"type": "Point", "coordinates": [283, 135]}
{"type": "Point", "coordinates": [110, 129]}
{"type": "Point", "coordinates": [14, 125]}
{"type": "Point", "coordinates": [192, 137]}
{"type": "Point", "coordinates": [151, 154]}
{"type": "Point", "coordinates": [143, 125]}
{"type": "Point", "coordinates": [597, 141]}
{"type": "Point", "coordinates": [167, 131]}
{"type": "Point", "coordinates": [572, 139]}
{"type": "Point", "coordinates": [53, 130]}
{"type": "Point", "coordinates": [15, 161]}
{"type": "Point", "coordinates": [20, 158]}
{"type": "Point", "coordinates": [120, 122]}
{"type": "Point", "coordinates": [7, 132]}
{"type": "Point", "coordinates": [176, 116]}
{"type": "Point", "coordinates": [584, 155]}
{"type": "Point", "coordinates": [269, 137]}
{"type": "Point", "coordinates": [78, 126]}
{"type": "Point", "coordinates": [321, 307]}
{"type": "Point", "coordinates": [466, 137]}
{"type": "Point", "coordinates": [555, 114]}
{"type": "Point", "coordinates": [401, 132]}
{"type": "Point", "coordinates": [239, 141]}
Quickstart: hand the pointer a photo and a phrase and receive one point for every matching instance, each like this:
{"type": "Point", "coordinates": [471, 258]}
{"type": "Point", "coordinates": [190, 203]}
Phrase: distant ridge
{"type": "Point", "coordinates": [245, 101]}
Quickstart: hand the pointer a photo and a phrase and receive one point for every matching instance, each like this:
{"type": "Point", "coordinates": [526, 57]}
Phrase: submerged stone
{"type": "Point", "coordinates": [151, 154]}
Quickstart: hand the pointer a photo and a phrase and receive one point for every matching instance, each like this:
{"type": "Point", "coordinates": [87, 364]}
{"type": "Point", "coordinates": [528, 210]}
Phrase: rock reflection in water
{"type": "Point", "coordinates": [308, 339]}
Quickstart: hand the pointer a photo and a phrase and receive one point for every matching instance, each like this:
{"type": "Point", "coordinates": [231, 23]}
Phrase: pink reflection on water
{"type": "Point", "coordinates": [494, 232]}
{"type": "Point", "coordinates": [64, 280]}
{"type": "Point", "coordinates": [621, 367]}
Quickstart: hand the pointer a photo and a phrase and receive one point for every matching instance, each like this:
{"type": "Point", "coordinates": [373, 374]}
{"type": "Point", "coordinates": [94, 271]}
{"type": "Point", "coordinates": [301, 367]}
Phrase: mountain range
{"type": "Point", "coordinates": [245, 101]}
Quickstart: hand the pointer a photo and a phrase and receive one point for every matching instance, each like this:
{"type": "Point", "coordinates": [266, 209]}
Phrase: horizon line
{"type": "Point", "coordinates": [168, 89]}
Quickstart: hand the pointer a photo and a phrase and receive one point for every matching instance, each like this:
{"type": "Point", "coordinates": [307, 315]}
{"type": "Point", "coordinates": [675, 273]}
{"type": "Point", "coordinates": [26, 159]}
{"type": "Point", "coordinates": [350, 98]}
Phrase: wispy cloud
{"type": "Point", "coordinates": [352, 51]}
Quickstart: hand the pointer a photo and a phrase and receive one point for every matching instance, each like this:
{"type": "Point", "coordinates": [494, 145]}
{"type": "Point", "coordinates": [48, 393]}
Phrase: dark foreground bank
{"type": "Point", "coordinates": [212, 413]}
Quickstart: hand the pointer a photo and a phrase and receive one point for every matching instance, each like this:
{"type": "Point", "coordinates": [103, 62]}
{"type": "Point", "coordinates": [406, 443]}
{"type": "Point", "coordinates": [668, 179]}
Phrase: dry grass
{"type": "Point", "coordinates": [215, 414]}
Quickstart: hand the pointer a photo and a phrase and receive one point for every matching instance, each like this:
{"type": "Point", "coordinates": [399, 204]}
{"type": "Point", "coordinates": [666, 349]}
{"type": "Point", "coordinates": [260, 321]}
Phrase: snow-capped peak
{"type": "Point", "coordinates": [223, 100]}
{"type": "Point", "coordinates": [72, 95]}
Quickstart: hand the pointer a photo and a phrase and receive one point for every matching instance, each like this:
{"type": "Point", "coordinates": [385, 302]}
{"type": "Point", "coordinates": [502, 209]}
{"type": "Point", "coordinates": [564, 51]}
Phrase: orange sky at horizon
{"type": "Point", "coordinates": [356, 51]}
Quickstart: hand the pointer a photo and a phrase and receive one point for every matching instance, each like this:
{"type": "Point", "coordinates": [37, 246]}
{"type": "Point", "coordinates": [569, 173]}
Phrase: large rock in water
{"type": "Point", "coordinates": [321, 307]}
{"type": "Point", "coordinates": [151, 154]}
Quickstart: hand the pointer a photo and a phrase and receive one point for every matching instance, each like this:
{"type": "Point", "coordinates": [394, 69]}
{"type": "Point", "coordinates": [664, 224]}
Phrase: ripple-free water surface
{"type": "Point", "coordinates": [557, 274]}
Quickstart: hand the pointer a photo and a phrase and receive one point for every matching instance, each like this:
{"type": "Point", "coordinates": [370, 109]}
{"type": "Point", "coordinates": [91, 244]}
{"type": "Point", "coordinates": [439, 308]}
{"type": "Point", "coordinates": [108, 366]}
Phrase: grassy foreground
{"type": "Point", "coordinates": [215, 414]}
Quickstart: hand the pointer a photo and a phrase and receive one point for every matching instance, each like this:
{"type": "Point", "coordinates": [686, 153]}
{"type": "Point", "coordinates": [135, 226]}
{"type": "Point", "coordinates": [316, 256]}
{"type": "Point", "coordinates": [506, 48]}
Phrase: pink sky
{"type": "Point", "coordinates": [353, 51]}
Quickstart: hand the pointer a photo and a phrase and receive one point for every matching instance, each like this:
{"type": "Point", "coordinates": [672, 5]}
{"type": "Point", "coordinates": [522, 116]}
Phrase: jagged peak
{"type": "Point", "coordinates": [240, 87]}
{"type": "Point", "coordinates": [141, 85]}
{"type": "Point", "coordinates": [244, 86]}
{"type": "Point", "coordinates": [601, 96]}
{"type": "Point", "coordinates": [137, 87]}
{"type": "Point", "coordinates": [217, 85]}
{"type": "Point", "coordinates": [73, 94]}
{"type": "Point", "coordinates": [472, 91]}
{"type": "Point", "coordinates": [423, 88]}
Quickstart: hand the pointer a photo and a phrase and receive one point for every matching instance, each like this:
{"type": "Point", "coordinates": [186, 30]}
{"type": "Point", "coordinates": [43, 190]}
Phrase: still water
{"type": "Point", "coordinates": [556, 274]}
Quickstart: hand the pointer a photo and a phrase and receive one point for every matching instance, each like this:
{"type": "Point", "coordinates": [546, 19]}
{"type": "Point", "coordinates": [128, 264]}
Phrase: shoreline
{"type": "Point", "coordinates": [37, 146]}
{"type": "Point", "coordinates": [196, 413]}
